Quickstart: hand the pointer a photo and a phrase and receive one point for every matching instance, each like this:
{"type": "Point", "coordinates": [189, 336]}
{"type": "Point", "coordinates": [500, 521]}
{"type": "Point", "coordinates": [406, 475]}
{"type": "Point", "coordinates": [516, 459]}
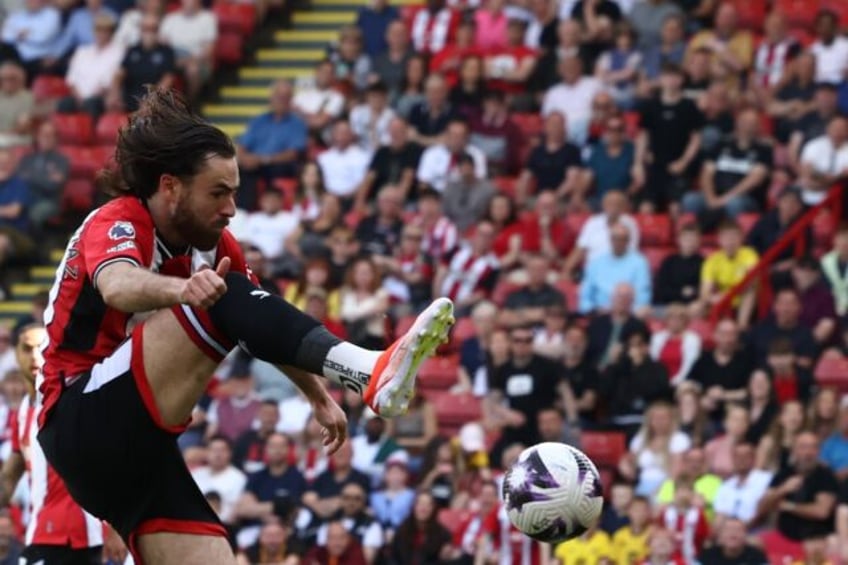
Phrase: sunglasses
{"type": "Point", "coordinates": [522, 340]}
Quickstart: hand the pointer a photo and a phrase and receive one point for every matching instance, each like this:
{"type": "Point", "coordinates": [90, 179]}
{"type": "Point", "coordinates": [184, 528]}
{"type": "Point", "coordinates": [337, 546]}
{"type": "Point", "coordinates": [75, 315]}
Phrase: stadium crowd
{"type": "Point", "coordinates": [586, 180]}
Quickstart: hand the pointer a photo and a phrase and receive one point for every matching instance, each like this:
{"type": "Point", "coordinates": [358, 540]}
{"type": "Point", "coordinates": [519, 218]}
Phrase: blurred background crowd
{"type": "Point", "coordinates": [636, 206]}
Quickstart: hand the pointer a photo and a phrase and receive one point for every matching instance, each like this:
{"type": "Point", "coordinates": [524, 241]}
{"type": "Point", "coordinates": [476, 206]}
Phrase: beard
{"type": "Point", "coordinates": [194, 231]}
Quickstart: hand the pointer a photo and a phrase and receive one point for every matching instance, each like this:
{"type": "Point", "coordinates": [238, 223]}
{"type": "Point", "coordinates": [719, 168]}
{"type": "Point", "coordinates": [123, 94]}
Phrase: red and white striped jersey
{"type": "Point", "coordinates": [431, 33]}
{"type": "Point", "coordinates": [468, 273]}
{"type": "Point", "coordinates": [55, 519]}
{"type": "Point", "coordinates": [691, 530]}
{"type": "Point", "coordinates": [770, 61]}
{"type": "Point", "coordinates": [440, 240]}
{"type": "Point", "coordinates": [513, 547]}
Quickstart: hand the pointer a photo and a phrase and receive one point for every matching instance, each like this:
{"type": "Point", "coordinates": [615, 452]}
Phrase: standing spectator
{"type": "Point", "coordinates": [739, 494]}
{"type": "Point", "coordinates": [373, 22]}
{"type": "Point", "coordinates": [221, 477]}
{"type": "Point", "coordinates": [725, 268]}
{"type": "Point", "coordinates": [272, 145]}
{"type": "Point", "coordinates": [341, 548]}
{"type": "Point", "coordinates": [553, 165]}
{"type": "Point", "coordinates": [370, 121]}
{"type": "Point", "coordinates": [824, 161]}
{"type": "Point", "coordinates": [433, 27]}
{"type": "Point", "coordinates": [92, 70]}
{"type": "Point", "coordinates": [572, 97]}
{"type": "Point", "coordinates": [147, 62]}
{"type": "Point", "coordinates": [610, 163]}
{"type": "Point", "coordinates": [351, 66]}
{"type": "Point", "coordinates": [268, 228]}
{"type": "Point", "coordinates": [607, 332]}
{"type": "Point", "coordinates": [834, 450]}
{"type": "Point", "coordinates": [817, 310]}
{"type": "Point", "coordinates": [834, 264]}
{"type": "Point", "coordinates": [192, 32]}
{"type": "Point", "coordinates": [648, 16]}
{"type": "Point", "coordinates": [732, 49]}
{"type": "Point", "coordinates": [14, 217]}
{"type": "Point", "coordinates": [668, 143]}
{"type": "Point", "coordinates": [379, 233]}
{"type": "Point", "coordinates": [830, 49]}
{"type": "Point", "coordinates": [679, 275]}
{"type": "Point", "coordinates": [430, 118]}
{"type": "Point", "coordinates": [394, 163]}
{"type": "Point", "coordinates": [784, 323]}
{"type": "Point", "coordinates": [32, 30]}
{"type": "Point", "coordinates": [466, 199]}
{"type": "Point", "coordinates": [389, 64]}
{"type": "Point", "coordinates": [676, 346]}
{"type": "Point", "coordinates": [655, 451]}
{"type": "Point", "coordinates": [732, 547]}
{"type": "Point", "coordinates": [249, 448]}
{"type": "Point", "coordinates": [45, 172]}
{"type": "Point", "coordinates": [440, 162]}
{"type": "Point", "coordinates": [344, 164]}
{"type": "Point", "coordinates": [321, 103]}
{"type": "Point", "coordinates": [17, 105]}
{"type": "Point", "coordinates": [364, 303]}
{"type": "Point", "coordinates": [671, 48]}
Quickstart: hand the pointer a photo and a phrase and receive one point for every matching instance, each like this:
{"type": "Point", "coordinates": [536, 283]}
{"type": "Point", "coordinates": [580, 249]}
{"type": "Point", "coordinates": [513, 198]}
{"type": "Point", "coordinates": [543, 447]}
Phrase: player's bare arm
{"type": "Point", "coordinates": [13, 470]}
{"type": "Point", "coordinates": [327, 412]}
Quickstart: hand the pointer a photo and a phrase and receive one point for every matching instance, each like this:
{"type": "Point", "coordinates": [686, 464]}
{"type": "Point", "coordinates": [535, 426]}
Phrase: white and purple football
{"type": "Point", "coordinates": [553, 492]}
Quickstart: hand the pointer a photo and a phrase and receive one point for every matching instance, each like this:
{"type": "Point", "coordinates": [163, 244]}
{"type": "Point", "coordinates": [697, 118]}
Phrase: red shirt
{"type": "Point", "coordinates": [785, 388]}
{"type": "Point", "coordinates": [507, 59]}
{"type": "Point", "coordinates": [508, 538]}
{"type": "Point", "coordinates": [448, 60]}
{"type": "Point", "coordinates": [671, 355]}
{"type": "Point", "coordinates": [531, 236]}
{"type": "Point", "coordinates": [81, 329]}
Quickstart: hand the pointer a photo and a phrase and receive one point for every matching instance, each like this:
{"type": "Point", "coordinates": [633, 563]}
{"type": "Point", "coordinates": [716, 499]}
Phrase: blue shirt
{"type": "Point", "coordinates": [79, 31]}
{"type": "Point", "coordinates": [604, 273]}
{"type": "Point", "coordinates": [41, 28]}
{"type": "Point", "coordinates": [611, 173]}
{"type": "Point", "coordinates": [392, 511]}
{"type": "Point", "coordinates": [267, 135]}
{"type": "Point", "coordinates": [373, 25]}
{"type": "Point", "coordinates": [834, 452]}
{"type": "Point", "coordinates": [266, 487]}
{"type": "Point", "coordinates": [13, 191]}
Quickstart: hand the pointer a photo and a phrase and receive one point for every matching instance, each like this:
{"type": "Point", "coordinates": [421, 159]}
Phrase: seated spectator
{"type": "Point", "coordinates": [676, 346]}
{"type": "Point", "coordinates": [618, 68]}
{"type": "Point", "coordinates": [732, 48]}
{"type": "Point", "coordinates": [373, 448]}
{"type": "Point", "coordinates": [448, 60]}
{"type": "Point", "coordinates": [655, 451]}
{"type": "Point", "coordinates": [773, 224]}
{"type": "Point", "coordinates": [323, 497]}
{"type": "Point", "coordinates": [503, 214]}
{"type": "Point", "coordinates": [8, 52]}
{"type": "Point", "coordinates": [671, 48]}
{"type": "Point", "coordinates": [719, 451]}
{"type": "Point", "coordinates": [33, 29]}
{"type": "Point", "coordinates": [472, 372]}
{"type": "Point", "coordinates": [725, 268]}
{"type": "Point", "coordinates": [352, 67]}
{"type": "Point", "coordinates": [414, 430]}
{"type": "Point", "coordinates": [220, 476]}
{"type": "Point", "coordinates": [249, 447]}
{"type": "Point", "coordinates": [466, 538]}
{"type": "Point", "coordinates": [774, 54]}
{"type": "Point", "coordinates": [813, 124]}
{"type": "Point", "coordinates": [192, 32]}
{"type": "Point", "coordinates": [606, 332]}
{"type": "Point", "coordinates": [670, 133]}
{"type": "Point", "coordinates": [341, 548]}
{"type": "Point", "coordinates": [271, 147]}
{"type": "Point", "coordinates": [803, 496]}
{"type": "Point", "coordinates": [45, 172]}
{"type": "Point", "coordinates": [823, 414]}
{"type": "Point", "coordinates": [604, 272]}
{"type": "Point", "coordinates": [320, 103]}
{"type": "Point", "coordinates": [614, 515]}
{"type": "Point", "coordinates": [379, 233]}
{"type": "Point", "coordinates": [491, 25]}
{"type": "Point", "coordinates": [466, 96]}
{"type": "Point", "coordinates": [389, 65]}
{"type": "Point", "coordinates": [834, 450]}
{"type": "Point", "coordinates": [395, 162]}
{"type": "Point", "coordinates": [679, 276]}
{"type": "Point", "coordinates": [409, 273]}
{"type": "Point", "coordinates": [723, 372]}
{"type": "Point", "coordinates": [314, 274]}
{"type": "Point", "coordinates": [774, 449]}
{"type": "Point", "coordinates": [17, 105]}
{"type": "Point", "coordinates": [15, 242]}
{"type": "Point", "coordinates": [830, 48]}
{"type": "Point", "coordinates": [565, 41]}
{"type": "Point", "coordinates": [594, 239]}
{"type": "Point", "coordinates": [762, 404]}
{"type": "Point", "coordinates": [554, 164]}
{"type": "Point", "coordinates": [686, 520]}
{"type": "Point", "coordinates": [581, 376]}
{"type": "Point", "coordinates": [630, 542]}
{"type": "Point", "coordinates": [572, 98]}
{"type": "Point", "coordinates": [233, 414]}
{"type": "Point", "coordinates": [433, 27]}
{"type": "Point", "coordinates": [545, 231]}
{"type": "Point", "coordinates": [495, 134]}
{"type": "Point", "coordinates": [317, 306]}
{"type": "Point", "coordinates": [268, 228]}
{"type": "Point", "coordinates": [80, 31]}
{"type": "Point", "coordinates": [393, 504]}
{"type": "Point", "coordinates": [430, 118]}
{"type": "Point", "coordinates": [733, 178]}
{"type": "Point", "coordinates": [824, 161]}
{"type": "Point", "coordinates": [510, 66]}
{"type": "Point", "coordinates": [785, 323]}
{"type": "Point", "coordinates": [610, 163]}
{"type": "Point", "coordinates": [793, 98]}
{"type": "Point", "coordinates": [411, 90]}
{"type": "Point", "coordinates": [466, 199]}
{"type": "Point", "coordinates": [739, 494]}
{"type": "Point", "coordinates": [373, 22]}
{"type": "Point", "coordinates": [834, 265]}
{"type": "Point", "coordinates": [370, 121]}
{"type": "Point", "coordinates": [698, 73]}
{"type": "Point", "coordinates": [276, 544]}
{"type": "Point", "coordinates": [353, 515]}
{"type": "Point", "coordinates": [364, 304]}
{"type": "Point", "coordinates": [131, 21]}
{"type": "Point", "coordinates": [733, 547]}
{"type": "Point", "coordinates": [693, 466]}
{"type": "Point", "coordinates": [420, 537]}
{"type": "Point", "coordinates": [440, 162]}
{"type": "Point", "coordinates": [817, 310]}
{"type": "Point", "coordinates": [529, 304]}
{"type": "Point", "coordinates": [344, 164]}
{"type": "Point", "coordinates": [149, 61]}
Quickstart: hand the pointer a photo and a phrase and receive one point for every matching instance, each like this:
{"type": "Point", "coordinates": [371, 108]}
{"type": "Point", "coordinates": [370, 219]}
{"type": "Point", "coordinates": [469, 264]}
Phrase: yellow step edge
{"type": "Point", "coordinates": [307, 35]}
{"type": "Point", "coordinates": [262, 73]}
{"type": "Point", "coordinates": [245, 92]}
{"type": "Point", "coordinates": [233, 130]}
{"type": "Point", "coordinates": [43, 272]}
{"type": "Point", "coordinates": [57, 255]}
{"type": "Point", "coordinates": [238, 110]}
{"type": "Point", "coordinates": [290, 54]}
{"type": "Point", "coordinates": [341, 17]}
{"type": "Point", "coordinates": [15, 308]}
{"type": "Point", "coordinates": [28, 289]}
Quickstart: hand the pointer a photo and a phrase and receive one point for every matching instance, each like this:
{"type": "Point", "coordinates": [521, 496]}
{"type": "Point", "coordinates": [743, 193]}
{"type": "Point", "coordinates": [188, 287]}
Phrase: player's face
{"type": "Point", "coordinates": [28, 352]}
{"type": "Point", "coordinates": [204, 207]}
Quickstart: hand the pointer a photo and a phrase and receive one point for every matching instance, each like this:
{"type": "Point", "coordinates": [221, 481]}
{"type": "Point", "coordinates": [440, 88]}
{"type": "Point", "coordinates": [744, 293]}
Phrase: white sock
{"type": "Point", "coordinates": [350, 365]}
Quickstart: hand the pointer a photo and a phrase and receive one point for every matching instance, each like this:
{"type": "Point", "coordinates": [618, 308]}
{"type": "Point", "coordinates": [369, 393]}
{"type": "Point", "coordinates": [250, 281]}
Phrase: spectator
{"type": "Point", "coordinates": [466, 199]}
{"type": "Point", "coordinates": [720, 451]}
{"type": "Point", "coordinates": [528, 304]}
{"type": "Point", "coordinates": [595, 235]}
{"type": "Point", "coordinates": [724, 269]}
{"type": "Point", "coordinates": [732, 48]}
{"type": "Point", "coordinates": [352, 67]}
{"type": "Point", "coordinates": [607, 332]}
{"type": "Point", "coordinates": [503, 214]}
{"type": "Point", "coordinates": [762, 404]}
{"type": "Point", "coordinates": [395, 162]}
{"type": "Point", "coordinates": [149, 61]}
{"type": "Point", "coordinates": [604, 272]}
{"type": "Point", "coordinates": [508, 68]}
{"type": "Point", "coordinates": [10, 547]}
{"type": "Point", "coordinates": [491, 25]}
{"type": "Point", "coordinates": [834, 450]}
{"type": "Point", "coordinates": [553, 165]}
{"type": "Point", "coordinates": [679, 274]}
{"type": "Point", "coordinates": [698, 73]}
{"type": "Point", "coordinates": [723, 372]}
{"type": "Point", "coordinates": [320, 104]}
{"type": "Point", "coordinates": [817, 310]}
{"type": "Point", "coordinates": [370, 121]}
{"type": "Point", "coordinates": [542, 31]}
{"type": "Point", "coordinates": [593, 546]}
{"type": "Point", "coordinates": [344, 165]}
{"type": "Point", "coordinates": [567, 44]}
{"type": "Point", "coordinates": [676, 346]}
{"type": "Point", "coordinates": [131, 21]}
{"type": "Point", "coordinates": [804, 495]}
{"type": "Point", "coordinates": [364, 304]}
{"type": "Point", "coordinates": [433, 27]}
{"type": "Point", "coordinates": [773, 224]}
{"type": "Point", "coordinates": [431, 117]}
{"type": "Point", "coordinates": [14, 217]}
{"type": "Point", "coordinates": [833, 265]}
{"type": "Point", "coordinates": [411, 91]}
{"type": "Point", "coordinates": [373, 448]}
{"type": "Point", "coordinates": [389, 64]}
{"type": "Point", "coordinates": [785, 323]}
{"type": "Point", "coordinates": [495, 134]}
{"type": "Point", "coordinates": [732, 547]}
{"type": "Point", "coordinates": [818, 172]}
{"type": "Point", "coordinates": [793, 98]}
{"type": "Point", "coordinates": [774, 55]}
{"type": "Point", "coordinates": [276, 544]}
{"type": "Point", "coordinates": [379, 233]}
{"type": "Point", "coordinates": [374, 22]}
{"type": "Point", "coordinates": [813, 124]}
{"type": "Point", "coordinates": [409, 272]}
{"type": "Point", "coordinates": [790, 380]}
{"type": "Point", "coordinates": [448, 60]}
{"type": "Point", "coordinates": [356, 520]}
{"type": "Point", "coordinates": [314, 274]}
{"type": "Point", "coordinates": [440, 162]}
{"type": "Point", "coordinates": [392, 505]}
{"type": "Point", "coordinates": [572, 97]}
{"type": "Point", "coordinates": [81, 30]}
{"type": "Point", "coordinates": [630, 542]}
{"type": "Point", "coordinates": [739, 494]}
{"type": "Point", "coordinates": [618, 68]}
{"type": "Point", "coordinates": [234, 413]}
{"type": "Point", "coordinates": [45, 172]}
{"type": "Point", "coordinates": [270, 226]}
{"type": "Point", "coordinates": [545, 231]}
{"type": "Point", "coordinates": [341, 548]}
{"type": "Point", "coordinates": [249, 448]}
{"type": "Point", "coordinates": [440, 234]}
{"type": "Point", "coordinates": [671, 48]}
{"type": "Point", "coordinates": [472, 374]}
{"type": "Point", "coordinates": [17, 105]}
{"type": "Point", "coordinates": [323, 497]}
{"type": "Point", "coordinates": [830, 49]}
{"type": "Point", "coordinates": [421, 538]}
{"type": "Point", "coordinates": [309, 193]}
{"type": "Point", "coordinates": [647, 18]}
{"type": "Point", "coordinates": [614, 515]}
{"type": "Point", "coordinates": [824, 412]}
{"type": "Point", "coordinates": [192, 32]}
{"type": "Point", "coordinates": [686, 520]}
{"type": "Point", "coordinates": [693, 468]}
{"type": "Point", "coordinates": [32, 29]}
{"type": "Point", "coordinates": [668, 143]}
{"type": "Point", "coordinates": [610, 163]}
{"type": "Point", "coordinates": [773, 450]}
{"type": "Point", "coordinates": [581, 376]}
{"type": "Point", "coordinates": [271, 147]}
{"type": "Point", "coordinates": [317, 306]}
{"type": "Point", "coordinates": [221, 477]}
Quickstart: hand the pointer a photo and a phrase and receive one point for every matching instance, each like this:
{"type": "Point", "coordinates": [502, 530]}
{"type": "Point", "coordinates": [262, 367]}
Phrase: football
{"type": "Point", "coordinates": [553, 492]}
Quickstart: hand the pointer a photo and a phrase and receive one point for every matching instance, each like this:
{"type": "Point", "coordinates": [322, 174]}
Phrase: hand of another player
{"type": "Point", "coordinates": [333, 420]}
{"type": "Point", "coordinates": [206, 286]}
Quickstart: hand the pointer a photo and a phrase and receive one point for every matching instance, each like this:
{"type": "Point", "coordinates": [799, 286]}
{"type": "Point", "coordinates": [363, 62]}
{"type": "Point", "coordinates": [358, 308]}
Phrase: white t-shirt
{"type": "Point", "coordinates": [739, 500]}
{"type": "Point", "coordinates": [594, 236]}
{"type": "Point", "coordinates": [343, 170]}
{"type": "Point", "coordinates": [437, 167]}
{"type": "Point", "coordinates": [312, 101]}
{"type": "Point", "coordinates": [370, 132]}
{"type": "Point", "coordinates": [229, 483]}
{"type": "Point", "coordinates": [372, 536]}
{"type": "Point", "coordinates": [294, 413]}
{"type": "Point", "coordinates": [92, 68]}
{"type": "Point", "coordinates": [652, 471]}
{"type": "Point", "coordinates": [831, 60]}
{"type": "Point", "coordinates": [826, 159]}
{"type": "Point", "coordinates": [268, 232]}
{"type": "Point", "coordinates": [191, 34]}
{"type": "Point", "coordinates": [574, 101]}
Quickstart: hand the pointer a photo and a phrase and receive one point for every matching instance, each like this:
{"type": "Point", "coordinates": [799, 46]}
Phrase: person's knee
{"type": "Point", "coordinates": [739, 205]}
{"type": "Point", "coordinates": [692, 202]}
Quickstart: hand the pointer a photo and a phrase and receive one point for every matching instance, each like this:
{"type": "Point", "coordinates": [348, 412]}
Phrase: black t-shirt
{"type": "Point", "coordinates": [603, 8]}
{"type": "Point", "coordinates": [733, 163]}
{"type": "Point", "coordinates": [389, 164]}
{"type": "Point", "coordinates": [426, 124]}
{"type": "Point", "coordinates": [821, 480]}
{"type": "Point", "coordinates": [378, 239]}
{"type": "Point", "coordinates": [266, 487]}
{"type": "Point", "coordinates": [631, 389]}
{"type": "Point", "coordinates": [670, 127]}
{"type": "Point", "coordinates": [750, 556]}
{"type": "Point", "coordinates": [145, 66]}
{"type": "Point", "coordinates": [326, 485]}
{"type": "Point", "coordinates": [528, 298]}
{"type": "Point", "coordinates": [678, 279]}
{"type": "Point", "coordinates": [764, 333]}
{"type": "Point", "coordinates": [549, 168]}
{"type": "Point", "coordinates": [528, 390]}
{"type": "Point", "coordinates": [582, 378]}
{"type": "Point", "coordinates": [732, 376]}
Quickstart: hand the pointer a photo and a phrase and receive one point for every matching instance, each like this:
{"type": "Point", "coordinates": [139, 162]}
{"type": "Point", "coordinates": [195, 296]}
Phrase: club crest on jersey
{"type": "Point", "coordinates": [122, 230]}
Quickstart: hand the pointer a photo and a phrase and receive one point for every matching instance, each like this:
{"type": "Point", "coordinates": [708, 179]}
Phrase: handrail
{"type": "Point", "coordinates": [794, 235]}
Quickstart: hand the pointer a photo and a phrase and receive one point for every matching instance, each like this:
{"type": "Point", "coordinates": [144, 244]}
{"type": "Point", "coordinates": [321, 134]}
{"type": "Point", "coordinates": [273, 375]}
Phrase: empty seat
{"type": "Point", "coordinates": [108, 126]}
{"type": "Point", "coordinates": [438, 373]}
{"type": "Point", "coordinates": [74, 129]}
{"type": "Point", "coordinates": [46, 87]}
{"type": "Point", "coordinates": [455, 410]}
{"type": "Point", "coordinates": [86, 161]}
{"type": "Point", "coordinates": [604, 448]}
{"type": "Point", "coordinates": [798, 13]}
{"type": "Point", "coordinates": [237, 18]}
{"type": "Point", "coordinates": [229, 48]}
{"type": "Point", "coordinates": [505, 185]}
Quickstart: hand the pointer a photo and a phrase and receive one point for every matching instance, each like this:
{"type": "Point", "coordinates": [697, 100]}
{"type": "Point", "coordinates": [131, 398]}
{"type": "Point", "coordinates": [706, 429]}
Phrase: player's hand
{"type": "Point", "coordinates": [206, 286]}
{"type": "Point", "coordinates": [334, 424]}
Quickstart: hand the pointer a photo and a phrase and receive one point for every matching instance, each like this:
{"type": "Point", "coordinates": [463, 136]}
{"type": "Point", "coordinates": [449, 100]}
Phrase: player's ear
{"type": "Point", "coordinates": [169, 184]}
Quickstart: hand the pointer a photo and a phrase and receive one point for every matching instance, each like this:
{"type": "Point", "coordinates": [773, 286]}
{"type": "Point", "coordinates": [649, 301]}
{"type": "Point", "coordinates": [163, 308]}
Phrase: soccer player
{"type": "Point", "coordinates": [158, 259]}
{"type": "Point", "coordinates": [59, 531]}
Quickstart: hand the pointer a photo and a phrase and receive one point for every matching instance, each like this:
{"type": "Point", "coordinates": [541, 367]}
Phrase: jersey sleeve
{"type": "Point", "coordinates": [108, 239]}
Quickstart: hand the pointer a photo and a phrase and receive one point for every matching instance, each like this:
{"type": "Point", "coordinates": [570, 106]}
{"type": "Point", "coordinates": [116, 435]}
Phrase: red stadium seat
{"type": "Point", "coordinates": [604, 448]}
{"type": "Point", "coordinates": [798, 13]}
{"type": "Point", "coordinates": [289, 189]}
{"type": "Point", "coordinates": [780, 549]}
{"type": "Point", "coordinates": [78, 196]}
{"type": "Point", "coordinates": [631, 124]}
{"type": "Point", "coordinates": [571, 291]}
{"type": "Point", "coordinates": [455, 410]}
{"type": "Point", "coordinates": [751, 13]}
{"type": "Point", "coordinates": [439, 373]}
{"type": "Point", "coordinates": [238, 18]}
{"type": "Point", "coordinates": [575, 222]}
{"type": "Point", "coordinates": [452, 519]}
{"type": "Point", "coordinates": [502, 290]}
{"type": "Point", "coordinates": [654, 230]}
{"type": "Point", "coordinates": [108, 126]}
{"type": "Point", "coordinates": [529, 123]}
{"type": "Point", "coordinates": [746, 221]}
{"type": "Point", "coordinates": [823, 228]}
{"type": "Point", "coordinates": [832, 371]}
{"type": "Point", "coordinates": [505, 185]}
{"type": "Point", "coordinates": [229, 48]}
{"type": "Point", "coordinates": [46, 87]}
{"type": "Point", "coordinates": [74, 129]}
{"type": "Point", "coordinates": [704, 329]}
{"type": "Point", "coordinates": [86, 161]}
{"type": "Point", "coordinates": [839, 7]}
{"type": "Point", "coordinates": [464, 329]}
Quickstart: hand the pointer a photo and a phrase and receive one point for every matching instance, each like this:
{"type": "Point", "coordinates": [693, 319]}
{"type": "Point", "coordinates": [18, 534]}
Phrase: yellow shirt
{"type": "Point", "coordinates": [725, 272]}
{"type": "Point", "coordinates": [628, 547]}
{"type": "Point", "coordinates": [741, 46]}
{"type": "Point", "coordinates": [583, 551]}
{"type": "Point", "coordinates": [333, 301]}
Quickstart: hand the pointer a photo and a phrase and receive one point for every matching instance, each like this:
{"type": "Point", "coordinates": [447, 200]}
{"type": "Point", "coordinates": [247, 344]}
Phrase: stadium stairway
{"type": "Point", "coordinates": [292, 55]}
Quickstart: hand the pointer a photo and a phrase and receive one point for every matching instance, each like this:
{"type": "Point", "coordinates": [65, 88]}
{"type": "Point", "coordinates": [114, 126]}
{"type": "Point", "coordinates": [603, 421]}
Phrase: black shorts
{"type": "Point", "coordinates": [61, 555]}
{"type": "Point", "coordinates": [105, 439]}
